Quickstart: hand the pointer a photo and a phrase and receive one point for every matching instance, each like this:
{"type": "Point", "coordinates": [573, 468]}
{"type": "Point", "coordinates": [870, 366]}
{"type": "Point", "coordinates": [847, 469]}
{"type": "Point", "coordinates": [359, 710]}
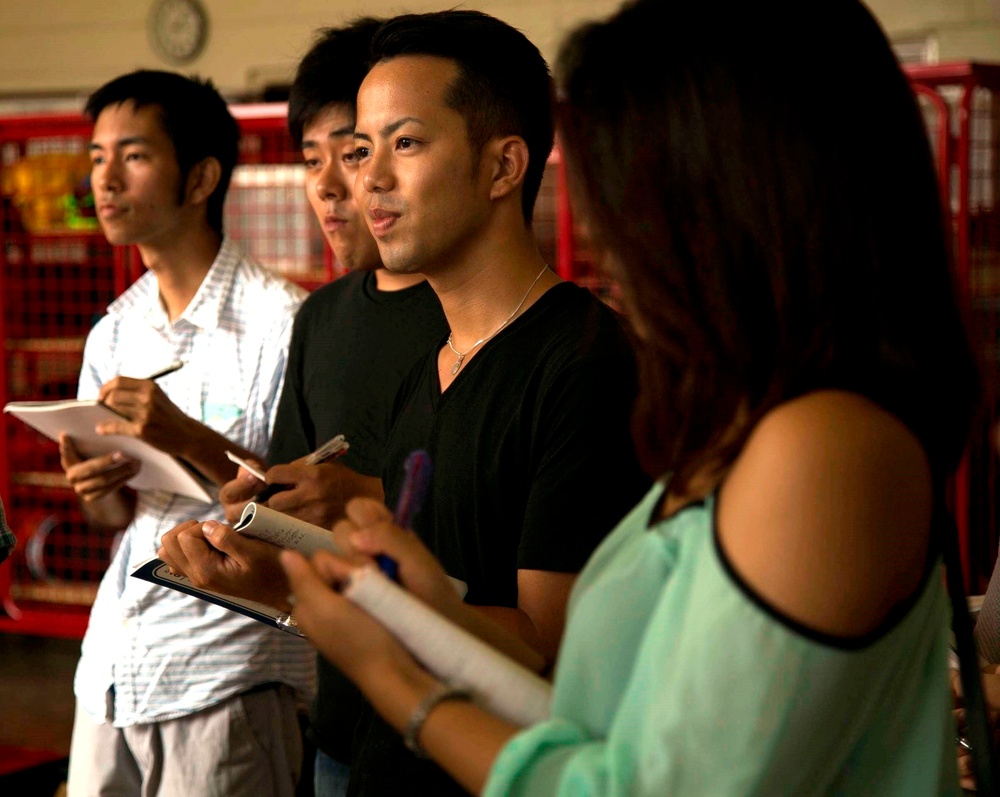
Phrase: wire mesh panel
{"type": "Point", "coordinates": [57, 276]}
{"type": "Point", "coordinates": [575, 259]}
{"type": "Point", "coordinates": [543, 223]}
{"type": "Point", "coordinates": [961, 105]}
{"type": "Point", "coordinates": [268, 213]}
{"type": "Point", "coordinates": [266, 210]}
{"type": "Point", "coordinates": [982, 251]}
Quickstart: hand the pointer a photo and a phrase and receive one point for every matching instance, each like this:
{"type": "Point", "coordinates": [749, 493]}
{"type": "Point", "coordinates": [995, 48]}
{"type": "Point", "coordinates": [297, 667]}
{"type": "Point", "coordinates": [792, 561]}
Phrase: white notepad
{"type": "Point", "coordinates": [78, 418]}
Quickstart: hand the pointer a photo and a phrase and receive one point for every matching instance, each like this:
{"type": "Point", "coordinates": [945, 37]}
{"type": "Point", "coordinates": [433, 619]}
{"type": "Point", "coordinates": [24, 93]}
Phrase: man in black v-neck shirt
{"type": "Point", "coordinates": [532, 446]}
{"type": "Point", "coordinates": [353, 342]}
{"type": "Point", "coordinates": [524, 408]}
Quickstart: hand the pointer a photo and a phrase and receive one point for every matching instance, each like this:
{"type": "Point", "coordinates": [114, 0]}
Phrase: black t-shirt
{"type": "Point", "coordinates": [351, 347]}
{"type": "Point", "coordinates": [533, 466]}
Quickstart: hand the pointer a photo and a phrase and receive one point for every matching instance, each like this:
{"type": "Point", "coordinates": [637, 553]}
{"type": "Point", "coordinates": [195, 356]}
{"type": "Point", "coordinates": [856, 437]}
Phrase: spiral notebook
{"type": "Point", "coordinates": [450, 652]}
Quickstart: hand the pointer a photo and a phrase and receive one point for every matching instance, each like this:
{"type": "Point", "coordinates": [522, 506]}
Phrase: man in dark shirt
{"type": "Point", "coordinates": [525, 408]}
{"type": "Point", "coordinates": [354, 339]}
{"type": "Point", "coordinates": [353, 342]}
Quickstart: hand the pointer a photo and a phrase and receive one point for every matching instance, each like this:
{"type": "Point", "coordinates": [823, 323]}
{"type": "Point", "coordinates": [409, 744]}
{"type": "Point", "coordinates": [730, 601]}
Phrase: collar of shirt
{"type": "Point", "coordinates": [204, 310]}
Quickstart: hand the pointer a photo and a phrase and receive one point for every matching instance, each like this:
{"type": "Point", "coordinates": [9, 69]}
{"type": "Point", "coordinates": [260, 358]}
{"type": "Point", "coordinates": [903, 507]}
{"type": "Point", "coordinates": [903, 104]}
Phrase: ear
{"type": "Point", "coordinates": [202, 180]}
{"type": "Point", "coordinates": [508, 161]}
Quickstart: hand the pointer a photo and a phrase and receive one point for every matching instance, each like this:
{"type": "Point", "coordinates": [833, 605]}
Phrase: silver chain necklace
{"type": "Point", "coordinates": [463, 354]}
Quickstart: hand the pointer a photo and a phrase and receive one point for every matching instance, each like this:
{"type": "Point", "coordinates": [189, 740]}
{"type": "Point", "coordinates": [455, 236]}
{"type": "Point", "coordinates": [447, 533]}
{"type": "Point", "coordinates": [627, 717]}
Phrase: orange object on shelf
{"type": "Point", "coordinates": [50, 184]}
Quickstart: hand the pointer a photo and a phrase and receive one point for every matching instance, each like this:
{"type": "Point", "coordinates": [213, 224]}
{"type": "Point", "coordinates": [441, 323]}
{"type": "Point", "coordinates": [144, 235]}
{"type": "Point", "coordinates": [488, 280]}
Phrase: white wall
{"type": "Point", "coordinates": [964, 29]}
{"type": "Point", "coordinates": [71, 46]}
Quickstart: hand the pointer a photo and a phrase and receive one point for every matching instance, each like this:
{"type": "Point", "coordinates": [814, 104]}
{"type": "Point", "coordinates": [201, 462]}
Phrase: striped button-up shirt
{"type": "Point", "coordinates": [167, 654]}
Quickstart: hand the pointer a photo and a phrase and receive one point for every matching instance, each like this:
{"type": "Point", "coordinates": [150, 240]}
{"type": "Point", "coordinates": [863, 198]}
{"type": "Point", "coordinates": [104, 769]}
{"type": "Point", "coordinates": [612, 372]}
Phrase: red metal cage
{"type": "Point", "coordinates": [961, 105]}
{"type": "Point", "coordinates": [57, 276]}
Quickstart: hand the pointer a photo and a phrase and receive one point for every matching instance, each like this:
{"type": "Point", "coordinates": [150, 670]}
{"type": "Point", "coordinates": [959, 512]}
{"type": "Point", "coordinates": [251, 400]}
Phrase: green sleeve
{"type": "Point", "coordinates": [721, 698]}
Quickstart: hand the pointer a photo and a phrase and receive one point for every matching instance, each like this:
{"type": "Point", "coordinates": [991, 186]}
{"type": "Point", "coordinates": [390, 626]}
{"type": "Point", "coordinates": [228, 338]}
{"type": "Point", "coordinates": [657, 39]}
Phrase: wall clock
{"type": "Point", "coordinates": [178, 29]}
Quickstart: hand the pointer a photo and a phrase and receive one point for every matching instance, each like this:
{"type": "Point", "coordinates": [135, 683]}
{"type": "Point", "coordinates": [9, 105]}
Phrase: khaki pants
{"type": "Point", "coordinates": [247, 746]}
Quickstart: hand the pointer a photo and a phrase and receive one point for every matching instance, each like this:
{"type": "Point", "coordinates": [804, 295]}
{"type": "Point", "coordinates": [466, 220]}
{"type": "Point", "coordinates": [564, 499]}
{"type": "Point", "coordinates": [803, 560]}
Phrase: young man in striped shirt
{"type": "Point", "coordinates": [176, 696]}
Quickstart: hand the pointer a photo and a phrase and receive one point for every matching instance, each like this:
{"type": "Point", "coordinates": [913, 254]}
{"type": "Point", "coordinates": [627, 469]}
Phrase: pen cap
{"type": "Point", "coordinates": [418, 469]}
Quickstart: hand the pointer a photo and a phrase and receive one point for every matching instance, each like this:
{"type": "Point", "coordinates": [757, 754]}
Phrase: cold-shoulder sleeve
{"type": "Point", "coordinates": [674, 679]}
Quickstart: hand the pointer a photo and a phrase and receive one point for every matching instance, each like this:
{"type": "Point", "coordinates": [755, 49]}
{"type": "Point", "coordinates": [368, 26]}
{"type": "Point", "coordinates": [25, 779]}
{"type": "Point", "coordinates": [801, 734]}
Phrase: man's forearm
{"type": "Point", "coordinates": [205, 450]}
{"type": "Point", "coordinates": [114, 511]}
{"type": "Point", "coordinates": [511, 632]}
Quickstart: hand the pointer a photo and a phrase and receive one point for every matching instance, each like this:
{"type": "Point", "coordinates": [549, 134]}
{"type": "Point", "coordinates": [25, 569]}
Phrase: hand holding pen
{"type": "Point", "coordinates": [329, 451]}
{"type": "Point", "coordinates": [418, 469]}
{"type": "Point", "coordinates": [300, 488]}
{"type": "Point", "coordinates": [147, 412]}
{"type": "Point", "coordinates": [270, 525]}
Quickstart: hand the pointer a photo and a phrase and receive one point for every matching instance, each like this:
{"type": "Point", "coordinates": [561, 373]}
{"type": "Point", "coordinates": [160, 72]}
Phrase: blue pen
{"type": "Point", "coordinates": [418, 469]}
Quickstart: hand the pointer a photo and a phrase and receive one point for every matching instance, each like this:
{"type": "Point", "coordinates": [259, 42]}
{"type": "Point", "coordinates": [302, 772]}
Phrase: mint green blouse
{"type": "Point", "coordinates": [674, 679]}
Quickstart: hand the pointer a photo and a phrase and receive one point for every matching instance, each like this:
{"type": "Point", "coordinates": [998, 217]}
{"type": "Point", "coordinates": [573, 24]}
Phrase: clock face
{"type": "Point", "coordinates": [178, 29]}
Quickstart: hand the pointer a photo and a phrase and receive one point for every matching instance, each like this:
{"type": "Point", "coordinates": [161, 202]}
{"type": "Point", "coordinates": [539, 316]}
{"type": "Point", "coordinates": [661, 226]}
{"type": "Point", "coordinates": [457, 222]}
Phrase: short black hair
{"type": "Point", "coordinates": [330, 73]}
{"type": "Point", "coordinates": [774, 217]}
{"type": "Point", "coordinates": [195, 118]}
{"type": "Point", "coordinates": [503, 86]}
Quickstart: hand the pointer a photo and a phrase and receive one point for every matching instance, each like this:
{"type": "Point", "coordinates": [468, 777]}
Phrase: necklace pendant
{"type": "Point", "coordinates": [457, 365]}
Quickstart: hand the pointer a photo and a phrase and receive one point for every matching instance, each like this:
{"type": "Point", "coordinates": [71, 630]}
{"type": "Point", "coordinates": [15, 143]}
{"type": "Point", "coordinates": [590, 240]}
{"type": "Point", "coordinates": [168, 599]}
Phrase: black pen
{"type": "Point", "coordinates": [176, 365]}
{"type": "Point", "coordinates": [270, 491]}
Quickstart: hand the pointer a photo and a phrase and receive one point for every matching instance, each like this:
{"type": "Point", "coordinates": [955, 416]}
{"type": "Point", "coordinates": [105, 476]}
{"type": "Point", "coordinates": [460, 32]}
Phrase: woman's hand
{"type": "Point", "coordinates": [345, 634]}
{"type": "Point", "coordinates": [368, 530]}
{"type": "Point", "coordinates": [459, 735]}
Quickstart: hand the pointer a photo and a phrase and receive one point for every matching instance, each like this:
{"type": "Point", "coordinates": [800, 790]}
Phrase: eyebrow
{"type": "Point", "coordinates": [340, 132]}
{"type": "Point", "coordinates": [389, 129]}
{"type": "Point", "coordinates": [122, 142]}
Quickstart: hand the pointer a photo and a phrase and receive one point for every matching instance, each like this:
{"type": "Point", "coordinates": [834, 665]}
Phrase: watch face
{"type": "Point", "coordinates": [178, 29]}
